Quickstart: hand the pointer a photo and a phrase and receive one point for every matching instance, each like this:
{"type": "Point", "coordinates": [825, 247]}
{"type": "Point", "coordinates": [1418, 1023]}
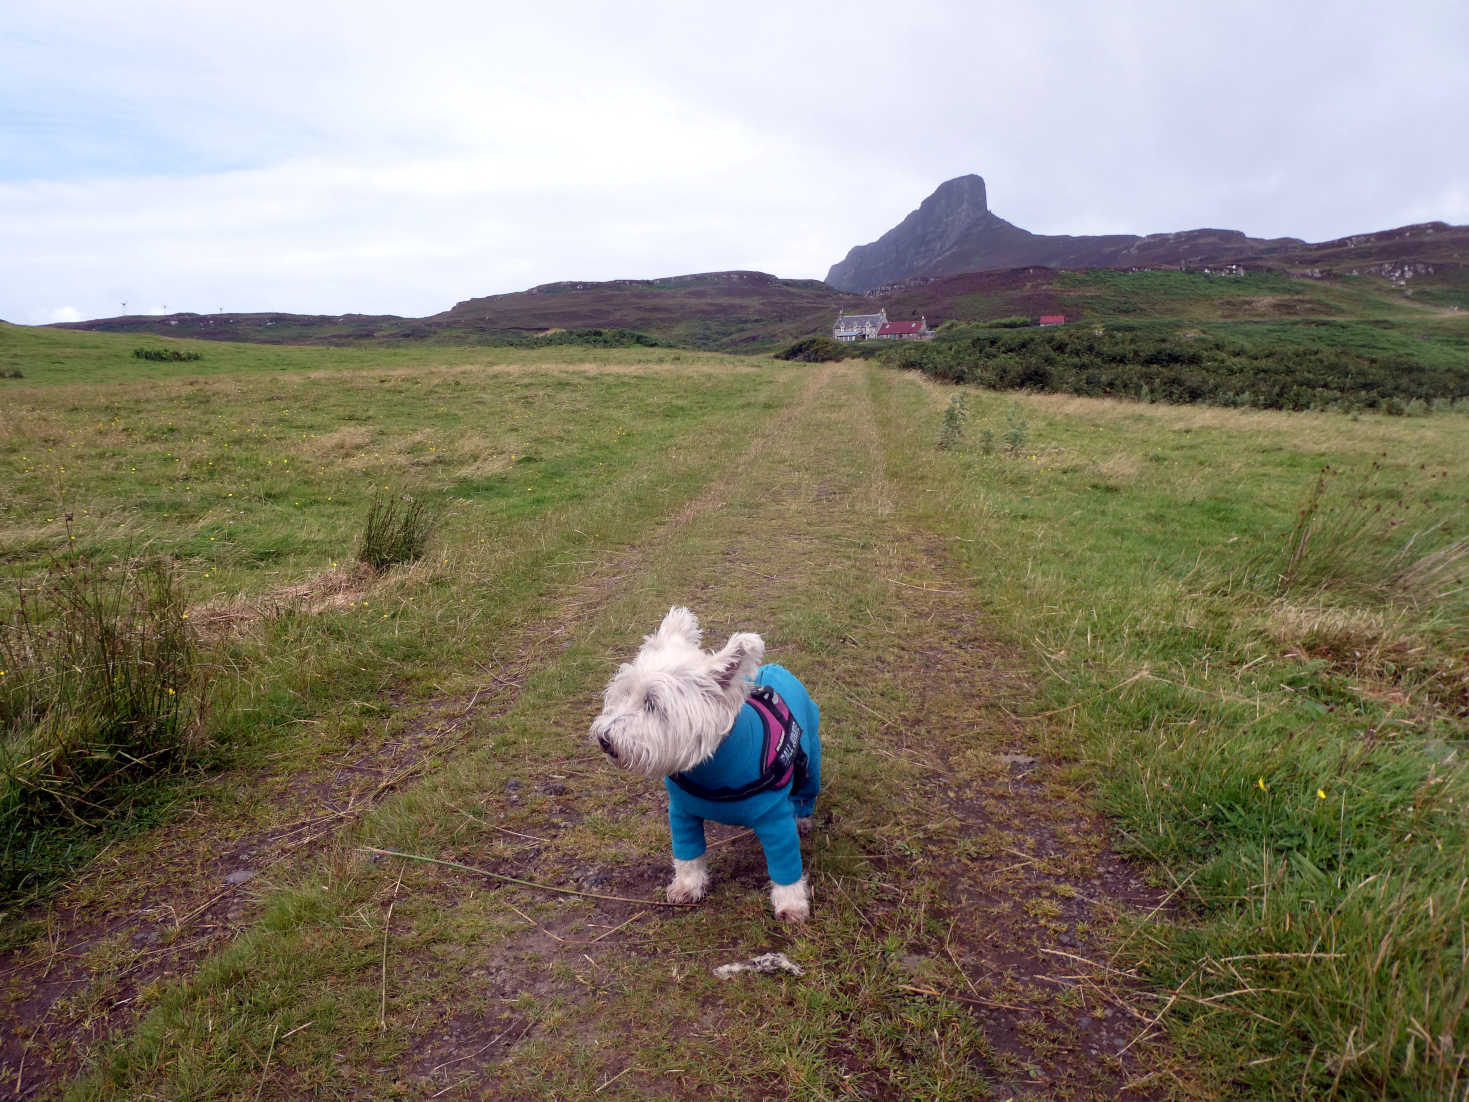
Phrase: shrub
{"type": "Point", "coordinates": [396, 531]}
{"type": "Point", "coordinates": [954, 418]}
{"type": "Point", "coordinates": [101, 688]}
{"type": "Point", "coordinates": [1287, 371]}
{"type": "Point", "coordinates": [813, 350]}
{"type": "Point", "coordinates": [596, 338]}
{"type": "Point", "coordinates": [170, 355]}
{"type": "Point", "coordinates": [1017, 430]}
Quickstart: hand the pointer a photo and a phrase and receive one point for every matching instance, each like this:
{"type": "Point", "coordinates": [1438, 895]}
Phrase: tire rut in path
{"type": "Point", "coordinates": [1029, 886]}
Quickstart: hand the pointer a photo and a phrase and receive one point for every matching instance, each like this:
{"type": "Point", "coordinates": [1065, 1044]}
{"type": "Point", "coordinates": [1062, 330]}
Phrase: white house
{"type": "Point", "coordinates": [858, 327]}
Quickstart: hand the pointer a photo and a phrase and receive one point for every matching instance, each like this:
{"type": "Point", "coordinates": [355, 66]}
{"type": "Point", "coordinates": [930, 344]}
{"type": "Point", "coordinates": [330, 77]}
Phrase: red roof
{"type": "Point", "coordinates": [1053, 319]}
{"type": "Point", "coordinates": [897, 328]}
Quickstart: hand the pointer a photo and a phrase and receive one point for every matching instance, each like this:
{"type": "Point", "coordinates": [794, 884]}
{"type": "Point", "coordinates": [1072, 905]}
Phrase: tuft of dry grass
{"type": "Point", "coordinates": [337, 588]}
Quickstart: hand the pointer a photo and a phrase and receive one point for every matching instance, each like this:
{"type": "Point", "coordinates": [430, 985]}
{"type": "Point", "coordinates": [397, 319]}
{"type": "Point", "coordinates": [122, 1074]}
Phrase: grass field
{"type": "Point", "coordinates": [1143, 738]}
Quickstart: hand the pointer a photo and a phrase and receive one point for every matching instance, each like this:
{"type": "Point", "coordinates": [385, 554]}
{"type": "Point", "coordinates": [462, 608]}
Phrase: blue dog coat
{"type": "Point", "coordinates": [738, 764]}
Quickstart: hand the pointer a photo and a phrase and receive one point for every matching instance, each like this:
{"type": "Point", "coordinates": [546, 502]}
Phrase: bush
{"type": "Point", "coordinates": [813, 350]}
{"type": "Point", "coordinates": [954, 418]}
{"type": "Point", "coordinates": [168, 355]}
{"type": "Point", "coordinates": [596, 338]}
{"type": "Point", "coordinates": [396, 531]}
{"type": "Point", "coordinates": [101, 688]}
{"type": "Point", "coordinates": [1017, 430]}
{"type": "Point", "coordinates": [1168, 366]}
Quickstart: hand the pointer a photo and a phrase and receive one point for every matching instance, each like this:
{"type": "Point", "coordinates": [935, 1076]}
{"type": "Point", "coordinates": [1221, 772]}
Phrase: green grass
{"type": "Point", "coordinates": [1114, 292]}
{"type": "Point", "coordinates": [1294, 761]}
{"type": "Point", "coordinates": [1102, 595]}
{"type": "Point", "coordinates": [255, 484]}
{"type": "Point", "coordinates": [1103, 293]}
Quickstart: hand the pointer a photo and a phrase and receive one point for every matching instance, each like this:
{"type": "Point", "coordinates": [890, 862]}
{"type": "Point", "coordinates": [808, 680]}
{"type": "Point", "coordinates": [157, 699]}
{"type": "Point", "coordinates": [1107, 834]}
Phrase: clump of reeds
{"type": "Point", "coordinates": [396, 530]}
{"type": "Point", "coordinates": [1362, 535]}
{"type": "Point", "coordinates": [100, 687]}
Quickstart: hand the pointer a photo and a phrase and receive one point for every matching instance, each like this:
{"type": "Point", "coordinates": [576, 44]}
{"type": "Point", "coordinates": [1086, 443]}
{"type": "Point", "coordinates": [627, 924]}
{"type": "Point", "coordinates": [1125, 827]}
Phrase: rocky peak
{"type": "Point", "coordinates": [953, 231]}
{"type": "Point", "coordinates": [955, 210]}
{"type": "Point", "coordinates": [962, 197]}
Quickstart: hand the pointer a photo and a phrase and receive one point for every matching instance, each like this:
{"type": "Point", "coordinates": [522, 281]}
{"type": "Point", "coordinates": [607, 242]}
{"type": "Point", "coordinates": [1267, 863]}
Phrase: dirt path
{"type": "Point", "coordinates": [966, 898]}
{"type": "Point", "coordinates": [962, 888]}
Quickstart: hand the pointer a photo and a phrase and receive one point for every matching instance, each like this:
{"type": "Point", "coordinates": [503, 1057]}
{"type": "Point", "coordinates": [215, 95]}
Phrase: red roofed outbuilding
{"type": "Point", "coordinates": [1053, 319]}
{"type": "Point", "coordinates": [905, 330]}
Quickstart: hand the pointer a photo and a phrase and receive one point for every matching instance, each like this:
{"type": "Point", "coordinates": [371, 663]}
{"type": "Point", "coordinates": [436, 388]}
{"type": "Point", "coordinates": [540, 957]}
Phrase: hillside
{"type": "Point", "coordinates": [713, 309]}
{"type": "Point", "coordinates": [727, 310]}
{"type": "Point", "coordinates": [952, 259]}
{"type": "Point", "coordinates": [953, 231]}
{"type": "Point", "coordinates": [1415, 290]}
{"type": "Point", "coordinates": [755, 312]}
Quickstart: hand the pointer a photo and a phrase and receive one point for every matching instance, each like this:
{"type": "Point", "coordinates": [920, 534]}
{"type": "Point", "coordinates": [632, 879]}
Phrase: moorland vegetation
{"type": "Point", "coordinates": [1344, 368]}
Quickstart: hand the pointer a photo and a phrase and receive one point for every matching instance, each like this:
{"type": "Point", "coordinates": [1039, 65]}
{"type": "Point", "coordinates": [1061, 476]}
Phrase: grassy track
{"type": "Point", "coordinates": [999, 642]}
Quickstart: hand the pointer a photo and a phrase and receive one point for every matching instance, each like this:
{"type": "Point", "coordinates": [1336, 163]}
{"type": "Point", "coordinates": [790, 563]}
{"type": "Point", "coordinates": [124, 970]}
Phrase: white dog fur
{"type": "Point", "coordinates": [668, 710]}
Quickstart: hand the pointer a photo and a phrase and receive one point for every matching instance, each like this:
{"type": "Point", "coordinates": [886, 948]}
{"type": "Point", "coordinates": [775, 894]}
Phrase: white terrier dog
{"type": "Point", "coordinates": [736, 742]}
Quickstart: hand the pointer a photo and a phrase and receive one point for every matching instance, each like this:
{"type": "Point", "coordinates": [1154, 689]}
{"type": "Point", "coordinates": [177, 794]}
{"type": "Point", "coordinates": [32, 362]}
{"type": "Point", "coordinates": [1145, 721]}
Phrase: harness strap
{"type": "Point", "coordinates": [782, 759]}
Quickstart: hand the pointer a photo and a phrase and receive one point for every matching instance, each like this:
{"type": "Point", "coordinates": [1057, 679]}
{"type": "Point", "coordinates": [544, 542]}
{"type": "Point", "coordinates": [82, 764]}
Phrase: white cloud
{"type": "Point", "coordinates": [373, 157]}
{"type": "Point", "coordinates": [65, 313]}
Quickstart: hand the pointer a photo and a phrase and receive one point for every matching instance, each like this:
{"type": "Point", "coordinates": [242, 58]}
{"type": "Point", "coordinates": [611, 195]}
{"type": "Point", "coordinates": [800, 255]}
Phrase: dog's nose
{"type": "Point", "coordinates": [606, 744]}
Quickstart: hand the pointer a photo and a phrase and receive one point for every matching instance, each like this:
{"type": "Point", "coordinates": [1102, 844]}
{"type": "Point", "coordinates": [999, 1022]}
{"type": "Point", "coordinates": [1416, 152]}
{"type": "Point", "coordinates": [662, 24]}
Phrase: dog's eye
{"type": "Point", "coordinates": [651, 706]}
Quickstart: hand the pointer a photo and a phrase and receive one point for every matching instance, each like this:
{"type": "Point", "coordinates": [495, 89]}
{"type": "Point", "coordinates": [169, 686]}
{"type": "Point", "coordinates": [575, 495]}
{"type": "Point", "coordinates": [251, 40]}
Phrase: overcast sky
{"type": "Point", "coordinates": [396, 158]}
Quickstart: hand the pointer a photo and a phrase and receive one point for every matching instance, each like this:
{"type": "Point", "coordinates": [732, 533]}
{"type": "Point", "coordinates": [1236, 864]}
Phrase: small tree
{"type": "Point", "coordinates": [954, 419]}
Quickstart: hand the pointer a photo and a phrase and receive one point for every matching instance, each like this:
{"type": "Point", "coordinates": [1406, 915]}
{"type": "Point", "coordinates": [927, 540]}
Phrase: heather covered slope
{"type": "Point", "coordinates": [1436, 294]}
{"type": "Point", "coordinates": [723, 309]}
{"type": "Point", "coordinates": [728, 310]}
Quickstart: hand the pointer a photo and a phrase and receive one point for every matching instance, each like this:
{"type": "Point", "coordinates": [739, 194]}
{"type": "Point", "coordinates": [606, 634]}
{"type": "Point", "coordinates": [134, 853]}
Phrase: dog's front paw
{"type": "Point", "coordinates": [690, 881]}
{"type": "Point", "coordinates": [792, 902]}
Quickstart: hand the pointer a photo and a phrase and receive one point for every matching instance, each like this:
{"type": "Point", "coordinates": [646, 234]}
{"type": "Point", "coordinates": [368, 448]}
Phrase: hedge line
{"type": "Point", "coordinates": [1182, 367]}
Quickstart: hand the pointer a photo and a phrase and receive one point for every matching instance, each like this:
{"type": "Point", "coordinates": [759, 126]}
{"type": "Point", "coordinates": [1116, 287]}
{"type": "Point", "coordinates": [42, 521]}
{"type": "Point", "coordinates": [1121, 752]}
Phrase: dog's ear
{"type": "Point", "coordinates": [680, 623]}
{"type": "Point", "coordinates": [737, 661]}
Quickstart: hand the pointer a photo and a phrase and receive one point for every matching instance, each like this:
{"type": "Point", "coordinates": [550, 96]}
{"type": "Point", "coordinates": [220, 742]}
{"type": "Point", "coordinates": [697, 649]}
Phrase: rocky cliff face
{"type": "Point", "coordinates": [954, 231]}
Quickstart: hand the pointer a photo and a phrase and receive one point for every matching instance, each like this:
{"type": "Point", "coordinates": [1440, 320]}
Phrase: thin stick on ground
{"type": "Point", "coordinates": [515, 880]}
{"type": "Point", "coordinates": [609, 933]}
{"type": "Point", "coordinates": [382, 1004]}
{"type": "Point", "coordinates": [271, 1052]}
